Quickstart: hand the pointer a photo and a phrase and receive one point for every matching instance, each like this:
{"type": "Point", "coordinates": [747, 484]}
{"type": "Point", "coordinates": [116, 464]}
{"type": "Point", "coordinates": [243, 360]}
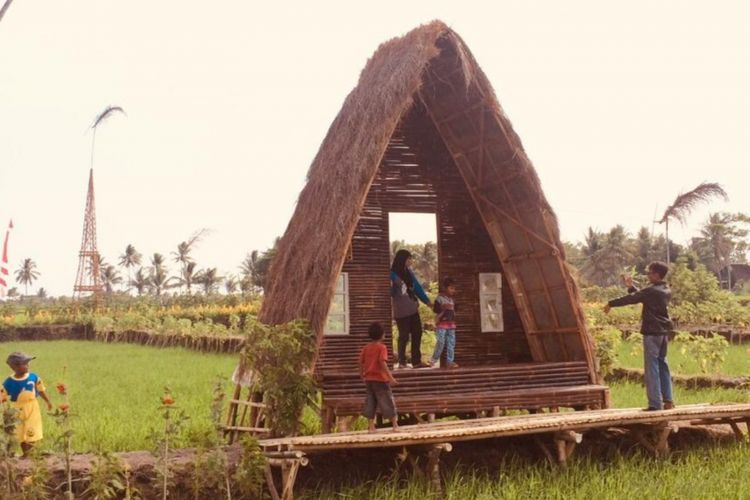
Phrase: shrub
{"type": "Point", "coordinates": [607, 341]}
{"type": "Point", "coordinates": [710, 351]}
{"type": "Point", "coordinates": [280, 358]}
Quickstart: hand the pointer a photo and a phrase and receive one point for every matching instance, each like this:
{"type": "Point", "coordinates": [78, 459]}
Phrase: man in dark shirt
{"type": "Point", "coordinates": [656, 325]}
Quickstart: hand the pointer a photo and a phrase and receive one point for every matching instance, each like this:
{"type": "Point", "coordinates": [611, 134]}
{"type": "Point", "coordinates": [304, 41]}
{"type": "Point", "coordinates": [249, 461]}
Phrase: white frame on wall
{"type": "Point", "coordinates": [486, 296]}
{"type": "Point", "coordinates": [342, 290]}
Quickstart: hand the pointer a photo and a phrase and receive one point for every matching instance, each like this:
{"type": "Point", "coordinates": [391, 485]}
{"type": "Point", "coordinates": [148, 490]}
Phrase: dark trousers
{"type": "Point", "coordinates": [410, 328]}
{"type": "Point", "coordinates": [379, 399]}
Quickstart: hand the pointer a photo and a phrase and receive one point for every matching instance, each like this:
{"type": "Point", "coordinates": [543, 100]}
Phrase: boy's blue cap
{"type": "Point", "coordinates": [16, 358]}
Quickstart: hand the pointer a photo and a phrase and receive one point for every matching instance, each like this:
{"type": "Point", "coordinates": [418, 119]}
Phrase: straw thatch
{"type": "Point", "coordinates": [401, 72]}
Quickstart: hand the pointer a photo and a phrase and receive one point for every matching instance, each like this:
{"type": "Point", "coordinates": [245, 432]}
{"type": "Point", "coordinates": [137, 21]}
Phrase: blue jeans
{"type": "Point", "coordinates": [446, 338]}
{"type": "Point", "coordinates": [656, 370]}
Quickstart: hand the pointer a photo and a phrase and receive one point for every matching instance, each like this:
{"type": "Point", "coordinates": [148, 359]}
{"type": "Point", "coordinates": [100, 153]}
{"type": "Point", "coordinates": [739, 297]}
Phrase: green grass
{"type": "Point", "coordinates": [115, 389]}
{"type": "Point", "coordinates": [632, 395]}
{"type": "Point", "coordinates": [717, 472]}
{"type": "Point", "coordinates": [736, 363]}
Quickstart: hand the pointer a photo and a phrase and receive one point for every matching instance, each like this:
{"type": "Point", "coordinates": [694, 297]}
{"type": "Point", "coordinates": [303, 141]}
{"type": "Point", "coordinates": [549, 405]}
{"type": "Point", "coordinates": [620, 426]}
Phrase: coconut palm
{"type": "Point", "coordinates": [720, 239]}
{"type": "Point", "coordinates": [615, 251]}
{"type": "Point", "coordinates": [158, 280]}
{"type": "Point", "coordinates": [594, 266]}
{"type": "Point", "coordinates": [140, 281]}
{"type": "Point", "coordinates": [27, 274]}
{"type": "Point", "coordinates": [157, 261]}
{"type": "Point", "coordinates": [209, 279]}
{"type": "Point", "coordinates": [426, 261]}
{"type": "Point", "coordinates": [110, 277]}
{"type": "Point", "coordinates": [4, 8]}
{"type": "Point", "coordinates": [182, 255]}
{"type": "Point", "coordinates": [187, 277]}
{"type": "Point", "coordinates": [246, 286]}
{"type": "Point", "coordinates": [256, 265]}
{"type": "Point", "coordinates": [184, 248]}
{"type": "Point", "coordinates": [130, 259]}
{"type": "Point", "coordinates": [158, 277]}
{"type": "Point", "coordinates": [249, 268]}
{"type": "Point", "coordinates": [230, 284]}
{"type": "Point", "coordinates": [101, 118]}
{"type": "Point", "coordinates": [686, 203]}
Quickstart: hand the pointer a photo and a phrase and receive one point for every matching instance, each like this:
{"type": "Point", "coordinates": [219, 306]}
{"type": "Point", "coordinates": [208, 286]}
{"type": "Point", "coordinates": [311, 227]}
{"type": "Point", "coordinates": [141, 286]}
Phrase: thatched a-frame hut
{"type": "Point", "coordinates": [424, 132]}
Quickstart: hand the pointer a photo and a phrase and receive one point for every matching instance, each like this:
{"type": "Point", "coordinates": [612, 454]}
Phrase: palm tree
{"type": "Point", "coordinates": [158, 277]}
{"type": "Point", "coordinates": [246, 286]}
{"type": "Point", "coordinates": [256, 266]}
{"type": "Point", "coordinates": [426, 257]}
{"type": "Point", "coordinates": [594, 267]}
{"type": "Point", "coordinates": [719, 240]}
{"type": "Point", "coordinates": [187, 277]}
{"type": "Point", "coordinates": [140, 281]}
{"type": "Point", "coordinates": [615, 252]}
{"type": "Point", "coordinates": [4, 8]}
{"type": "Point", "coordinates": [157, 261]}
{"type": "Point", "coordinates": [249, 270]}
{"type": "Point", "coordinates": [685, 203]}
{"type": "Point", "coordinates": [110, 277]}
{"type": "Point", "coordinates": [642, 249]}
{"type": "Point", "coordinates": [210, 279]}
{"type": "Point", "coordinates": [158, 280]}
{"type": "Point", "coordinates": [230, 284]}
{"type": "Point", "coordinates": [27, 274]}
{"type": "Point", "coordinates": [184, 248]}
{"type": "Point", "coordinates": [41, 293]}
{"type": "Point", "coordinates": [101, 118]}
{"type": "Point", "coordinates": [129, 259]}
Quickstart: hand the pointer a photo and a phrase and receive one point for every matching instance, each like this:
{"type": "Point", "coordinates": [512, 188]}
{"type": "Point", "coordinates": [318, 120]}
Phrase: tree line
{"type": "Point", "coordinates": [599, 259]}
{"type": "Point", "coordinates": [152, 275]}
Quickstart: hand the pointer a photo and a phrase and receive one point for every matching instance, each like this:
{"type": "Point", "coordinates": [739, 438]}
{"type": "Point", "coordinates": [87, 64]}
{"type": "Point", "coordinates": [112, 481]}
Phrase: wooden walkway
{"type": "Point", "coordinates": [651, 428]}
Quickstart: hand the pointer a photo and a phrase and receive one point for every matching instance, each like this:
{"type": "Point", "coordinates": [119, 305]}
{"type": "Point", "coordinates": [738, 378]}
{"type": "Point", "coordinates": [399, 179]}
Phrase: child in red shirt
{"type": "Point", "coordinates": [373, 367]}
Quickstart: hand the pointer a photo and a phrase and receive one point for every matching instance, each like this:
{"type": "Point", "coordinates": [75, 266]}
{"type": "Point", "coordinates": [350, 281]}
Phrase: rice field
{"type": "Point", "coordinates": [115, 389]}
{"type": "Point", "coordinates": [736, 363]}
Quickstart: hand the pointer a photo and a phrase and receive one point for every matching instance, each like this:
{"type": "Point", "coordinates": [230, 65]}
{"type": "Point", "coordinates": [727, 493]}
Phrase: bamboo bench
{"type": "Point", "coordinates": [526, 386]}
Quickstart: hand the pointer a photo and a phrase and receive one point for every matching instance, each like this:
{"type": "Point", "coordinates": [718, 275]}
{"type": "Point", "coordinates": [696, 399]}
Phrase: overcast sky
{"type": "Point", "coordinates": [620, 105]}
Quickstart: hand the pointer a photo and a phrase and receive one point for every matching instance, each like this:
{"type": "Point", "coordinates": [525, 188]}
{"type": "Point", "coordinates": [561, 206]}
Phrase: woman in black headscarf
{"type": "Point", "coordinates": [406, 291]}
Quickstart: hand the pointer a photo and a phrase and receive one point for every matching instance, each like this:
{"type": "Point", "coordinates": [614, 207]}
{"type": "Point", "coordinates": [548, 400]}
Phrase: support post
{"type": "Point", "coordinates": [565, 442]}
{"type": "Point", "coordinates": [655, 438]}
{"type": "Point", "coordinates": [433, 465]}
{"type": "Point", "coordinates": [328, 419]}
{"type": "Point", "coordinates": [289, 464]}
{"type": "Point", "coordinates": [737, 431]}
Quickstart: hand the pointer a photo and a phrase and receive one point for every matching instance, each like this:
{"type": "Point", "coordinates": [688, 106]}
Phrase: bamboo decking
{"type": "Point", "coordinates": [566, 430]}
{"type": "Point", "coordinates": [495, 427]}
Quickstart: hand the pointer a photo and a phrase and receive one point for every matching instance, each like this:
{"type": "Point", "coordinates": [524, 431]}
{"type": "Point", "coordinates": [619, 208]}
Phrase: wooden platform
{"type": "Point", "coordinates": [557, 434]}
{"type": "Point", "coordinates": [485, 428]}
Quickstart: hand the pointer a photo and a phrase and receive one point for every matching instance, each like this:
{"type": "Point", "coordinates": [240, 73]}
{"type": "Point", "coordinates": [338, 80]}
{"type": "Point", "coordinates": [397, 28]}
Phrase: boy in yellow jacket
{"type": "Point", "coordinates": [23, 388]}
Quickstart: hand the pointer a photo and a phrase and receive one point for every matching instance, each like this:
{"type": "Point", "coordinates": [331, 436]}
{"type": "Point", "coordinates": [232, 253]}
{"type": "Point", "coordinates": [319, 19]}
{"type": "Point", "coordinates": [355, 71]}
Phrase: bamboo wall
{"type": "Point", "coordinates": [417, 175]}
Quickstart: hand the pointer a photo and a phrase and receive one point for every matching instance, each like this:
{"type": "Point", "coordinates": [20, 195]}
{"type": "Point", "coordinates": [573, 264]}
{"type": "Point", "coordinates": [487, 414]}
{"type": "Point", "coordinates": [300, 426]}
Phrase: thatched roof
{"type": "Point", "coordinates": [417, 66]}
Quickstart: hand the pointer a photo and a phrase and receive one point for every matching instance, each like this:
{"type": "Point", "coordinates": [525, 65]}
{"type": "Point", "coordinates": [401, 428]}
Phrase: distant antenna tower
{"type": "Point", "coordinates": [89, 277]}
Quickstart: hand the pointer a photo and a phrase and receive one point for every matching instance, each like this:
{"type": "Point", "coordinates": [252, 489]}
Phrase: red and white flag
{"type": "Point", "coordinates": [4, 263]}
